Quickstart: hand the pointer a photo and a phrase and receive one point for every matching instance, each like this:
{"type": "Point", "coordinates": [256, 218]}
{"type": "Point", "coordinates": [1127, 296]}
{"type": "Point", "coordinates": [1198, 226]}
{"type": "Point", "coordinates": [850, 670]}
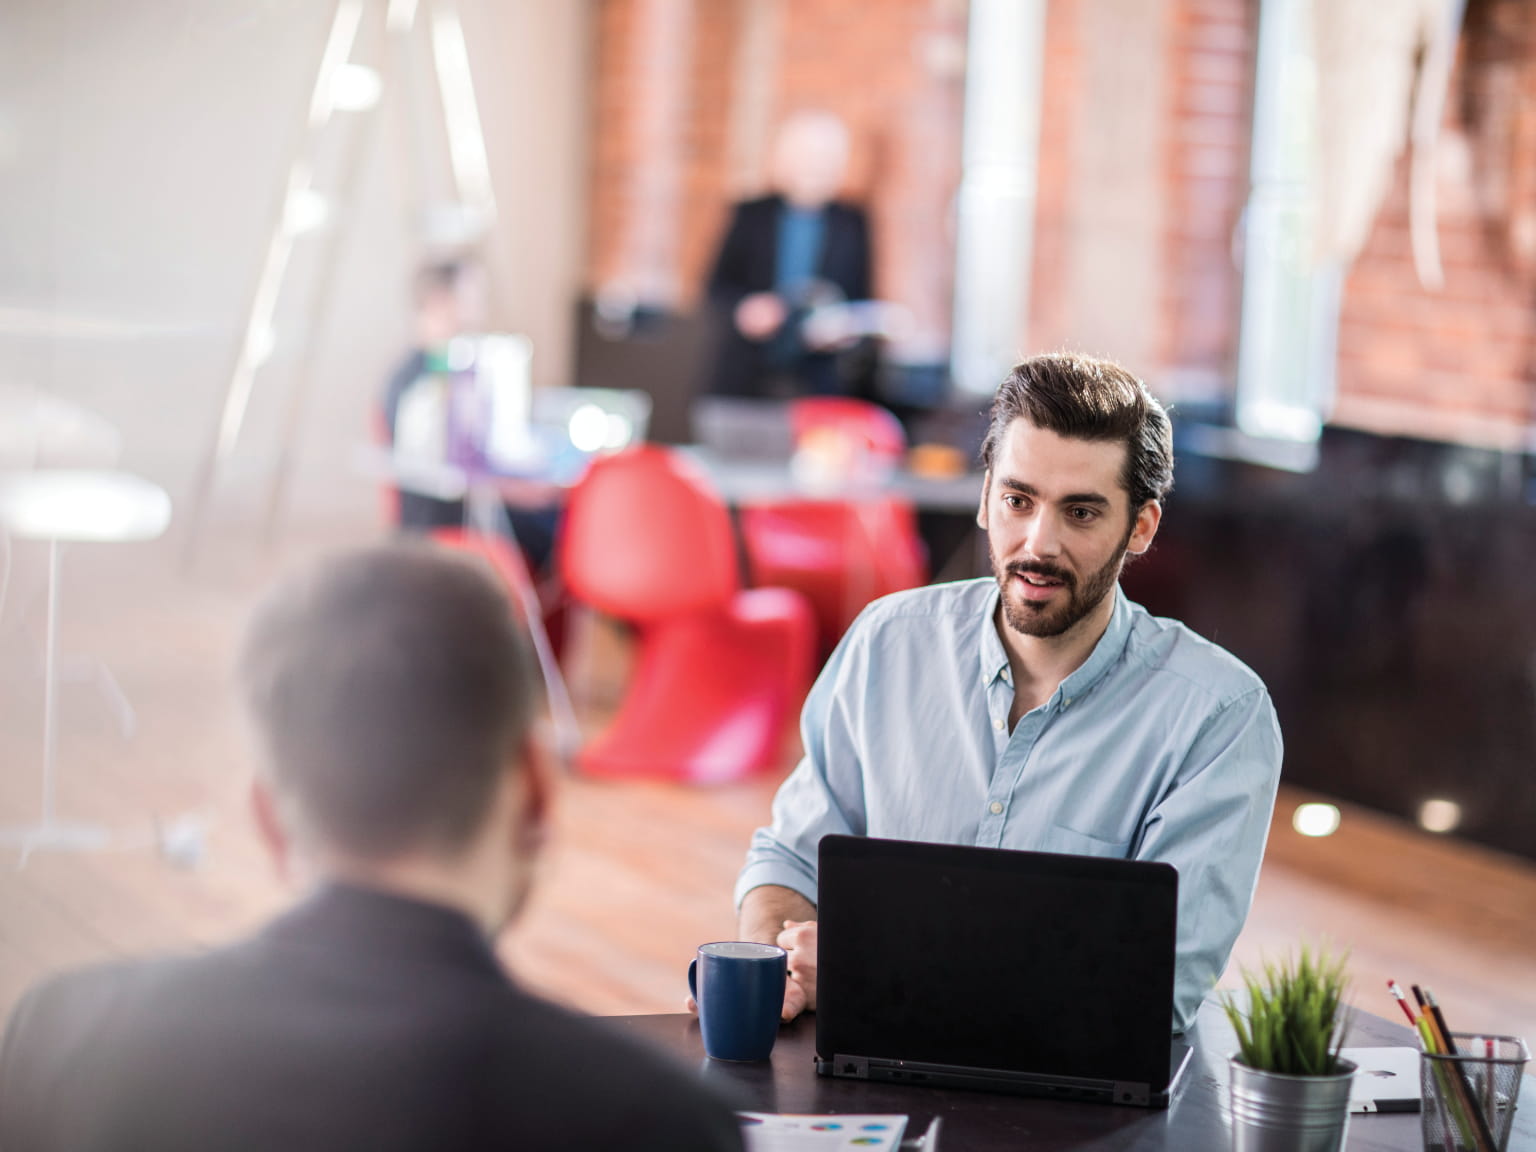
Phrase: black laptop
{"type": "Point", "coordinates": [1024, 972]}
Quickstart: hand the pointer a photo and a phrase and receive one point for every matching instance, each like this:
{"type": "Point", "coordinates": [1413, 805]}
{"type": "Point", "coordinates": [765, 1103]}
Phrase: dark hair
{"type": "Point", "coordinates": [390, 688]}
{"type": "Point", "coordinates": [441, 277]}
{"type": "Point", "coordinates": [1084, 398]}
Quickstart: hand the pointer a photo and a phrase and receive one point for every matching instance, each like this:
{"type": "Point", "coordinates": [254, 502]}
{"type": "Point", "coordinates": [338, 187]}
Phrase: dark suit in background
{"type": "Point", "coordinates": [748, 263]}
{"type": "Point", "coordinates": [357, 1020]}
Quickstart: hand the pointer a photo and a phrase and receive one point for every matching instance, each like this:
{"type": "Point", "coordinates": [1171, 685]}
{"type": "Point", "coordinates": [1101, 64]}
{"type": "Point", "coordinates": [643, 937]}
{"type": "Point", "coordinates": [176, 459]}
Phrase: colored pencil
{"type": "Point", "coordinates": [1478, 1130]}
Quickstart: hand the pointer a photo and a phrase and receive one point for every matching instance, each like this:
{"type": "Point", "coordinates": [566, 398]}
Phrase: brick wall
{"type": "Point", "coordinates": [1205, 50]}
{"type": "Point", "coordinates": [658, 143]}
{"type": "Point", "coordinates": [1455, 363]}
{"type": "Point", "coordinates": [1212, 47]}
{"type": "Point", "coordinates": [1049, 321]}
{"type": "Point", "coordinates": [893, 71]}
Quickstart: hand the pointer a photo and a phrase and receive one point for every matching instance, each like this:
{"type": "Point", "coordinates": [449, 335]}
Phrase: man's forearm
{"type": "Point", "coordinates": [765, 908]}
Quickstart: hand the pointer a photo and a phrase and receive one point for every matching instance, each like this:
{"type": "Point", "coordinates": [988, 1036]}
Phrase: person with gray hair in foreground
{"type": "Point", "coordinates": [404, 784]}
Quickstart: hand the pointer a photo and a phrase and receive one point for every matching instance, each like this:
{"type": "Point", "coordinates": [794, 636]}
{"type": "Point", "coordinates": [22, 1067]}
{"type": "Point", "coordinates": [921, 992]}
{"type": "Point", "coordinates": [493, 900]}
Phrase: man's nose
{"type": "Point", "coordinates": [1042, 536]}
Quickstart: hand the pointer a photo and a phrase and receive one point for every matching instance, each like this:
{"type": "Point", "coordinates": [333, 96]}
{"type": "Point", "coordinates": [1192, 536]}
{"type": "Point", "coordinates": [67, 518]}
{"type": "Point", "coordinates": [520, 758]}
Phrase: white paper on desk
{"type": "Point", "coordinates": [787, 1132]}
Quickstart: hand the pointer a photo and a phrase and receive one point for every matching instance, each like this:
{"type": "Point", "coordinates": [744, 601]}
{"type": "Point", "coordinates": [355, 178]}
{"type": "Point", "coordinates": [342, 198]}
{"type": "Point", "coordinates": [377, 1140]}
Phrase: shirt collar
{"type": "Point", "coordinates": [994, 657]}
{"type": "Point", "coordinates": [1105, 655]}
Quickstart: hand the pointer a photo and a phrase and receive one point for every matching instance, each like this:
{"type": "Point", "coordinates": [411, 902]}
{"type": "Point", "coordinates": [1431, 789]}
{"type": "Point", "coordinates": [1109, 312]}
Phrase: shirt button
{"type": "Point", "coordinates": [996, 807]}
{"type": "Point", "coordinates": [1066, 701]}
{"type": "Point", "coordinates": [998, 724]}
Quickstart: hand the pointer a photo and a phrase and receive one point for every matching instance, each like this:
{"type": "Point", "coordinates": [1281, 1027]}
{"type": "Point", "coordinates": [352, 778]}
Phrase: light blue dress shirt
{"type": "Point", "coordinates": [1162, 747]}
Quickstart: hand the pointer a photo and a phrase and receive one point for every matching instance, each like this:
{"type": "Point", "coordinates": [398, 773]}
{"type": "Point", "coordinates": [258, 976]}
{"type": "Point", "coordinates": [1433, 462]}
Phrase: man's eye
{"type": "Point", "coordinates": [1083, 514]}
{"type": "Point", "coordinates": [1014, 501]}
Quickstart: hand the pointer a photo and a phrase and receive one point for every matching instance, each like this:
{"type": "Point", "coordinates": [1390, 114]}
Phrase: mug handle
{"type": "Point", "coordinates": [693, 987]}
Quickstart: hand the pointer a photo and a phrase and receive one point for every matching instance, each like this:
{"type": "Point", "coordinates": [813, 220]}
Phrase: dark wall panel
{"type": "Point", "coordinates": [1388, 600]}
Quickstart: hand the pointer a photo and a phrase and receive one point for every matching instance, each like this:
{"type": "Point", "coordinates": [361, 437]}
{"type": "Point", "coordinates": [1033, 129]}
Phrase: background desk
{"type": "Point", "coordinates": [980, 1121]}
{"type": "Point", "coordinates": [744, 481]}
{"type": "Point", "coordinates": [946, 505]}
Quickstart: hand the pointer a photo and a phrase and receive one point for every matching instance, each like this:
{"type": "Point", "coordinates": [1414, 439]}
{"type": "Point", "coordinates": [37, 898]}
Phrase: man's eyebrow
{"type": "Point", "coordinates": [1031, 491]}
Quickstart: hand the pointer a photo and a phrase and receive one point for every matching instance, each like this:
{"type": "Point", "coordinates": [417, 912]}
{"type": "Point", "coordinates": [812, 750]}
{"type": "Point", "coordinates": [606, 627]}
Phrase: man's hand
{"type": "Point", "coordinates": [774, 915]}
{"type": "Point", "coordinates": [760, 315]}
{"type": "Point", "coordinates": [799, 939]}
{"type": "Point", "coordinates": [829, 328]}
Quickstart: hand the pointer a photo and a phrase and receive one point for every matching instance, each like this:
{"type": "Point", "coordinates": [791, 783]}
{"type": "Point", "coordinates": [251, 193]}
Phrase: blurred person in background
{"type": "Point", "coordinates": [404, 784]}
{"type": "Point", "coordinates": [450, 302]}
{"type": "Point", "coordinates": [784, 256]}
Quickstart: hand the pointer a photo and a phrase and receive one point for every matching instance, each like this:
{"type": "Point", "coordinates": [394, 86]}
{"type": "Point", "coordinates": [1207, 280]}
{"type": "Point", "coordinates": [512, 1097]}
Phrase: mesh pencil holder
{"type": "Point", "coordinates": [1483, 1078]}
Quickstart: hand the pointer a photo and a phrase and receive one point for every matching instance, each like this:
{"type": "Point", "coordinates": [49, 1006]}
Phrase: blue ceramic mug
{"type": "Point", "coordinates": [739, 987]}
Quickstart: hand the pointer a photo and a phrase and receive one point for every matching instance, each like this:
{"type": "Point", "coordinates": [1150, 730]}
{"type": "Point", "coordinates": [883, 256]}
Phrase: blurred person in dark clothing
{"type": "Point", "coordinates": [449, 298]}
{"type": "Point", "coordinates": [403, 781]}
{"type": "Point", "coordinates": [783, 256]}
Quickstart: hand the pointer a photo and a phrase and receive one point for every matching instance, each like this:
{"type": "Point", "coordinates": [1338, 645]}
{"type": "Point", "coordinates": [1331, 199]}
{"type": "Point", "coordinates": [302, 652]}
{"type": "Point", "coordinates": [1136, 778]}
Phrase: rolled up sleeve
{"type": "Point", "coordinates": [1212, 826]}
{"type": "Point", "coordinates": [825, 792]}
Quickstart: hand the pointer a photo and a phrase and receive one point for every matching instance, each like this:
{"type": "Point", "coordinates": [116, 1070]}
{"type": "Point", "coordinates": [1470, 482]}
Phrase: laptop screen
{"type": "Point", "coordinates": [987, 958]}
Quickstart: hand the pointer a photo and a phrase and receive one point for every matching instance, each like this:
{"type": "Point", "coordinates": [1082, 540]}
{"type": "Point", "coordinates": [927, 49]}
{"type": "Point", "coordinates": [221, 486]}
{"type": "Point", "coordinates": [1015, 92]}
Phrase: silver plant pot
{"type": "Point", "coordinates": [1272, 1112]}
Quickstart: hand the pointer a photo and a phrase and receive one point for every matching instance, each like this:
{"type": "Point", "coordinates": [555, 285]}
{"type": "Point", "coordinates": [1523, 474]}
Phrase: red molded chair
{"type": "Point", "coordinates": [720, 670]}
{"type": "Point", "coordinates": [840, 553]}
{"type": "Point", "coordinates": [512, 570]}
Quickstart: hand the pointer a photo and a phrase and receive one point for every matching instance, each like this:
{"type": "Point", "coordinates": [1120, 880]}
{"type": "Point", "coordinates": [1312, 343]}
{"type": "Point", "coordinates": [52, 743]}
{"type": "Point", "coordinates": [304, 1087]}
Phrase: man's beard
{"type": "Point", "coordinates": [1047, 620]}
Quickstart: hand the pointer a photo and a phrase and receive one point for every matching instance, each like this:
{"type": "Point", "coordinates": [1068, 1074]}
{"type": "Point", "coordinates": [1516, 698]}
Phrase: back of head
{"type": "Point", "coordinates": [390, 688]}
{"type": "Point", "coordinates": [1084, 398]}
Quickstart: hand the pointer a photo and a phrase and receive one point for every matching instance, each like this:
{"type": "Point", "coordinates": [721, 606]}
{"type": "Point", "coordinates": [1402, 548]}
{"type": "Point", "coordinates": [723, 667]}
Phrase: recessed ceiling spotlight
{"type": "Point", "coordinates": [1316, 819]}
{"type": "Point", "coordinates": [1437, 815]}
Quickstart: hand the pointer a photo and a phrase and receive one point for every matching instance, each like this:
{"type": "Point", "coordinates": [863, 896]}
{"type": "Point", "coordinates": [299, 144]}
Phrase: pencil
{"type": "Point", "coordinates": [1448, 1104]}
{"type": "Point", "coordinates": [1481, 1133]}
{"type": "Point", "coordinates": [1489, 1095]}
{"type": "Point", "coordinates": [1402, 1002]}
{"type": "Point", "coordinates": [1426, 1034]}
{"type": "Point", "coordinates": [1452, 1094]}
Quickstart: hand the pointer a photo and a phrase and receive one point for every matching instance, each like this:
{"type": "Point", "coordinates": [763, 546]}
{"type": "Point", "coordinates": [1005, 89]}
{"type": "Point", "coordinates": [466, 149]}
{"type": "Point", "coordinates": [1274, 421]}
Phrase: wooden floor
{"type": "Point", "coordinates": [637, 875]}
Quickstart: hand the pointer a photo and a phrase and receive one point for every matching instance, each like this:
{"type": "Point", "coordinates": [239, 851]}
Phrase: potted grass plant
{"type": "Point", "coordinates": [1289, 1086]}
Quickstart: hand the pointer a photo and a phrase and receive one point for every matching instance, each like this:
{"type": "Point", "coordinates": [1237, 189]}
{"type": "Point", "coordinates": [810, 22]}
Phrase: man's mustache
{"type": "Point", "coordinates": [1037, 568]}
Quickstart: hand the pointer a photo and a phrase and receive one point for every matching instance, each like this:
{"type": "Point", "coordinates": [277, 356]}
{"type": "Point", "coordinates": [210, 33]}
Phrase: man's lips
{"type": "Point", "coordinates": [1035, 585]}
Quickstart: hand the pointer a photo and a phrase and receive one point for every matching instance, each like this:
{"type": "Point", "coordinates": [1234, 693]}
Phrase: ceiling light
{"type": "Point", "coordinates": [1438, 815]}
{"type": "Point", "coordinates": [1316, 819]}
{"type": "Point", "coordinates": [306, 211]}
{"type": "Point", "coordinates": [355, 88]}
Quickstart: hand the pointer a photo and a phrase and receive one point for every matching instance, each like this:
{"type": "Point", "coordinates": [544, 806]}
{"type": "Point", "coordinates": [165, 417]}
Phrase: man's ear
{"type": "Point", "coordinates": [269, 826]}
{"type": "Point", "coordinates": [535, 766]}
{"type": "Point", "coordinates": [981, 510]}
{"type": "Point", "coordinates": [1145, 527]}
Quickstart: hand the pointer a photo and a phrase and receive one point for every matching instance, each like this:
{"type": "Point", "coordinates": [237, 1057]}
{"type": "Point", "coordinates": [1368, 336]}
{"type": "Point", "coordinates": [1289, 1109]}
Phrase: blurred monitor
{"type": "Point", "coordinates": [738, 428]}
{"type": "Point", "coordinates": [595, 419]}
{"type": "Point", "coordinates": [503, 375]}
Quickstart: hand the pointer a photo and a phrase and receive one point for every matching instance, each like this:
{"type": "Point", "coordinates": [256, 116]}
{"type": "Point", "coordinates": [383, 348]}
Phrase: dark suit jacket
{"type": "Point", "coordinates": [357, 1021]}
{"type": "Point", "coordinates": [747, 263]}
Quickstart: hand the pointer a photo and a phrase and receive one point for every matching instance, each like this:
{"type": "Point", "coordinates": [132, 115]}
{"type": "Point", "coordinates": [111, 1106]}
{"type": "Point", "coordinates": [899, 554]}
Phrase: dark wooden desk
{"type": "Point", "coordinates": [1197, 1121]}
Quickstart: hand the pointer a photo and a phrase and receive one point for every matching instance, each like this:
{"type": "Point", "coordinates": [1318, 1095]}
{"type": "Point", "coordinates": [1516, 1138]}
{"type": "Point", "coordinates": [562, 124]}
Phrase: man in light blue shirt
{"type": "Point", "coordinates": [1042, 710]}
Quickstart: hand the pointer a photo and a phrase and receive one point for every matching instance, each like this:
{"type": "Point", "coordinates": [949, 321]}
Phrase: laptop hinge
{"type": "Point", "coordinates": [1132, 1093]}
